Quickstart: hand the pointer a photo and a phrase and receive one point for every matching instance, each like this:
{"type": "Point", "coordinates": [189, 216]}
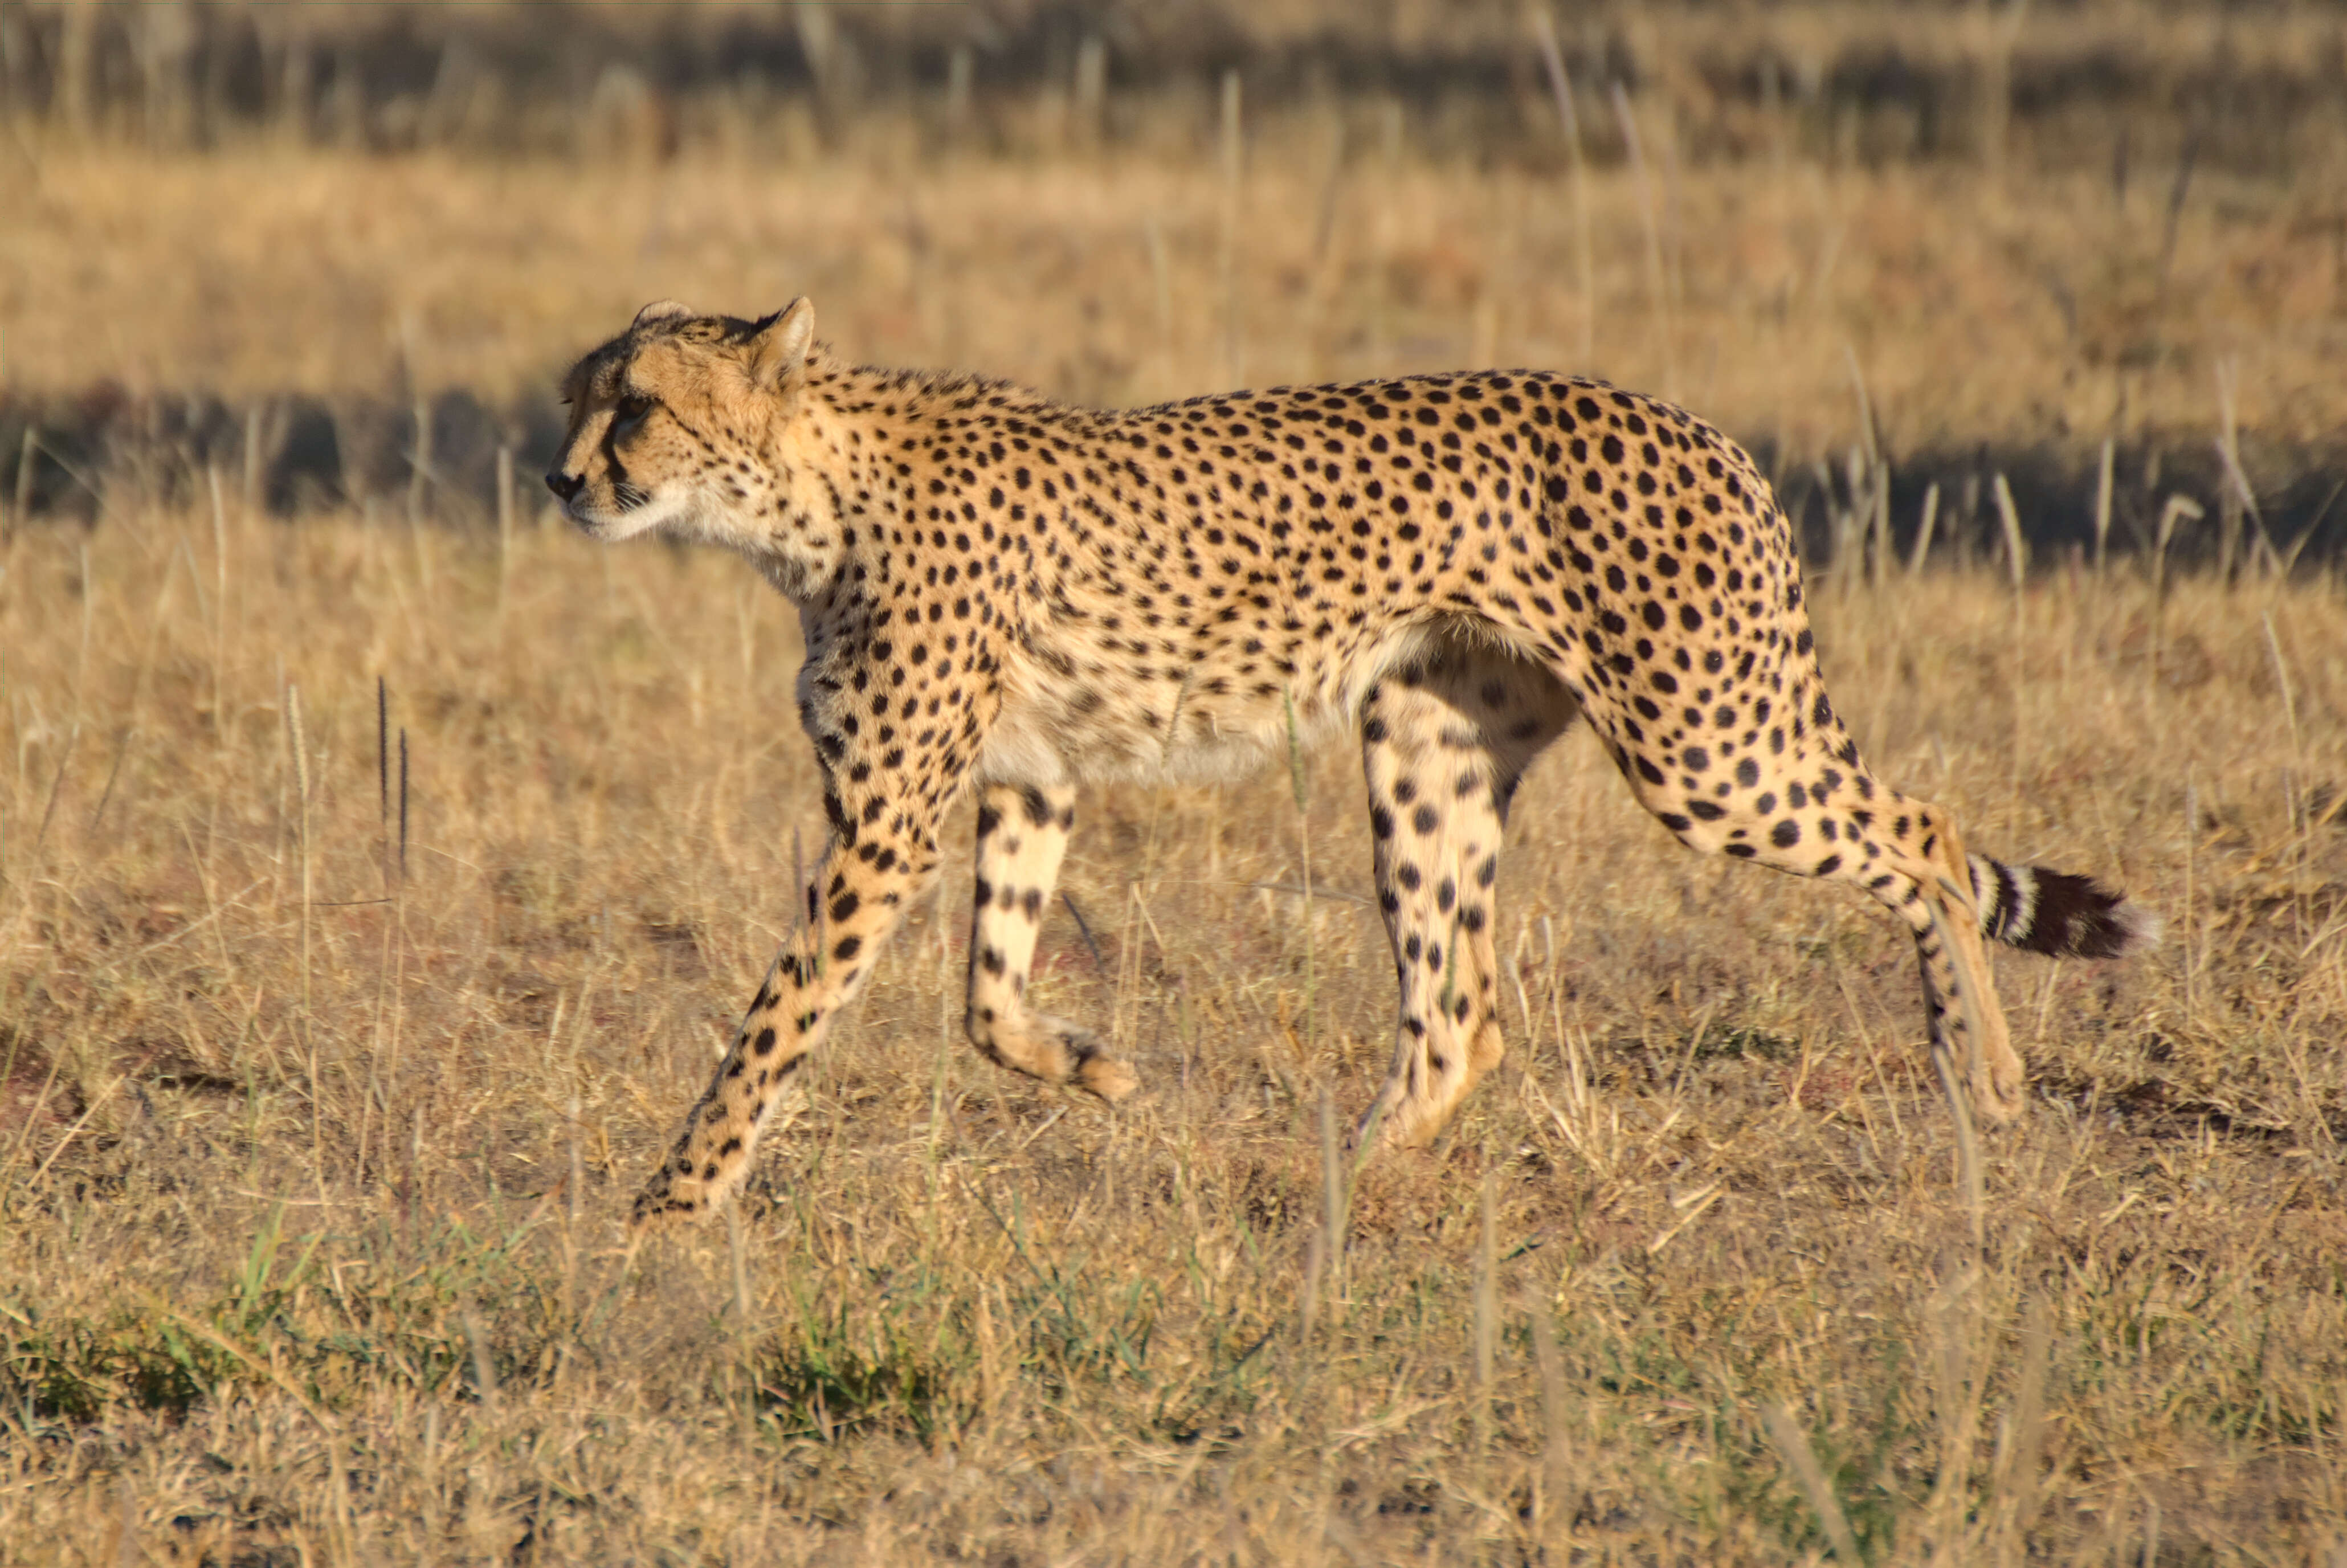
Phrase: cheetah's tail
{"type": "Point", "coordinates": [2057, 914]}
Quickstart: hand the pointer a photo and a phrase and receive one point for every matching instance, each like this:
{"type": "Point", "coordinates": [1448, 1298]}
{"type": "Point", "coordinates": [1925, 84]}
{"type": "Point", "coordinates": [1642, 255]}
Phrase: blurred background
{"type": "Point", "coordinates": [340, 253]}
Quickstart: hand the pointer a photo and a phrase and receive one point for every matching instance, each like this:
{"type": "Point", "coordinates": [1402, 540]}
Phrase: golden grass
{"type": "Point", "coordinates": [2034, 309]}
{"type": "Point", "coordinates": [311, 1168]}
{"type": "Point", "coordinates": [310, 1241]}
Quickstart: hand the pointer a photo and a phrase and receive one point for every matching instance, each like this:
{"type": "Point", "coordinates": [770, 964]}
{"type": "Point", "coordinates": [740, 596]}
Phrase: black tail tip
{"type": "Point", "coordinates": [2078, 918]}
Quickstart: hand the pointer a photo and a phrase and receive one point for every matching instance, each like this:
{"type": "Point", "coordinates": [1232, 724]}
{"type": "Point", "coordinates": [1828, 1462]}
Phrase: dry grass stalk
{"type": "Point", "coordinates": [2177, 509]}
{"type": "Point", "coordinates": [28, 450]}
{"type": "Point", "coordinates": [220, 603]}
{"type": "Point", "coordinates": [1870, 484]}
{"type": "Point", "coordinates": [1487, 1306]}
{"type": "Point", "coordinates": [1325, 1254]}
{"type": "Point", "coordinates": [255, 460]}
{"type": "Point", "coordinates": [2238, 496]}
{"type": "Point", "coordinates": [1922, 550]}
{"type": "Point", "coordinates": [1957, 1316]}
{"type": "Point", "coordinates": [1233, 160]}
{"type": "Point", "coordinates": [1553, 1478]}
{"type": "Point", "coordinates": [298, 748]}
{"type": "Point", "coordinates": [1657, 282]}
{"type": "Point", "coordinates": [2191, 859]}
{"type": "Point", "coordinates": [1793, 1445]}
{"type": "Point", "coordinates": [505, 511]}
{"type": "Point", "coordinates": [2021, 1443]}
{"type": "Point", "coordinates": [2103, 508]}
{"type": "Point", "coordinates": [1560, 84]}
{"type": "Point", "coordinates": [2016, 545]}
{"type": "Point", "coordinates": [2282, 684]}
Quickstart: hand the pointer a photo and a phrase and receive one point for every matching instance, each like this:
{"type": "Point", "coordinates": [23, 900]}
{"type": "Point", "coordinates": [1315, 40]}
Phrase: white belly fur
{"type": "Point", "coordinates": [1038, 740]}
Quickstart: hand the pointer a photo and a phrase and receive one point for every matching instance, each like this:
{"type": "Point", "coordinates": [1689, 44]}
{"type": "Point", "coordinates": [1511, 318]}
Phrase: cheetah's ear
{"type": "Point", "coordinates": [781, 346]}
{"type": "Point", "coordinates": [659, 311]}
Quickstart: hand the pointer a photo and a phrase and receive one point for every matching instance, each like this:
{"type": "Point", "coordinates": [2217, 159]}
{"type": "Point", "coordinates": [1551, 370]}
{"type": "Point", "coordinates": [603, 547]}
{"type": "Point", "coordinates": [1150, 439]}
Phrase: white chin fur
{"type": "Point", "coordinates": [661, 511]}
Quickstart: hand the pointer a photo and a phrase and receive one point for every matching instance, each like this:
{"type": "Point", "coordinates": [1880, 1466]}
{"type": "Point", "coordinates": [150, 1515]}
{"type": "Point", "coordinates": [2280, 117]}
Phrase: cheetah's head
{"type": "Point", "coordinates": [686, 424]}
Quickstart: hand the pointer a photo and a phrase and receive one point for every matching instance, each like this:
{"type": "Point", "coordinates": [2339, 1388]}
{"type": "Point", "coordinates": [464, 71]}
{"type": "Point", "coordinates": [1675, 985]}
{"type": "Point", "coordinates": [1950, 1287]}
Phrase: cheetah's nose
{"type": "Point", "coordinates": [565, 485]}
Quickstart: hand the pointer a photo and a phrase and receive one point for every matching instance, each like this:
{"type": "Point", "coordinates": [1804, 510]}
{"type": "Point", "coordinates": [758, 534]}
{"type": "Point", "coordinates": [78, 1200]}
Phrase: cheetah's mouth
{"type": "Point", "coordinates": [627, 510]}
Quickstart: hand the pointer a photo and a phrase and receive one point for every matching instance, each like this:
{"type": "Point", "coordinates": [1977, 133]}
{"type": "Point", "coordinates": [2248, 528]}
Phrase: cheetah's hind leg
{"type": "Point", "coordinates": [1444, 739]}
{"type": "Point", "coordinates": [1022, 833]}
{"type": "Point", "coordinates": [1959, 986]}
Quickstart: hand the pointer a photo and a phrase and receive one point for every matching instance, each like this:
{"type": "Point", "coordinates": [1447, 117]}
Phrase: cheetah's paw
{"type": "Point", "coordinates": [1089, 1066]}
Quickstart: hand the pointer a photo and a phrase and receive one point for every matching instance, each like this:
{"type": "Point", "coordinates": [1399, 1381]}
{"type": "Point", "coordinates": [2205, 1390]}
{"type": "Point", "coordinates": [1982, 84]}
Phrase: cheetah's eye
{"type": "Point", "coordinates": [632, 409]}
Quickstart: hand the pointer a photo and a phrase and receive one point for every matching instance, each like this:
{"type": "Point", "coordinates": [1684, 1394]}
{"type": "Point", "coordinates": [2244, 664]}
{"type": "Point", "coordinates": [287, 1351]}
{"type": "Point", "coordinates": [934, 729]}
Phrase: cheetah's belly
{"type": "Point", "coordinates": [1042, 739]}
{"type": "Point", "coordinates": [1208, 726]}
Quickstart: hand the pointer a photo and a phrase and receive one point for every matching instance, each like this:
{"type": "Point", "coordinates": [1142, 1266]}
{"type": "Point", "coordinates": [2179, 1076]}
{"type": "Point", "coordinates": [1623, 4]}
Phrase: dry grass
{"type": "Point", "coordinates": [311, 1244]}
{"type": "Point", "coordinates": [311, 1167]}
{"type": "Point", "coordinates": [2040, 309]}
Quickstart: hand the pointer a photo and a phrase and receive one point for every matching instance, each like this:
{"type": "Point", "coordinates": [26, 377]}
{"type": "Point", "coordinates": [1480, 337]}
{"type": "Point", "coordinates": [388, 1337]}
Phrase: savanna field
{"type": "Point", "coordinates": [383, 867]}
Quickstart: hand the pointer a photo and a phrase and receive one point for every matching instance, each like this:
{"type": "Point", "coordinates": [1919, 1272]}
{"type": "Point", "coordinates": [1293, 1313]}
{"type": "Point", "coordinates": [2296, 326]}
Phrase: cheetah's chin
{"type": "Point", "coordinates": [609, 525]}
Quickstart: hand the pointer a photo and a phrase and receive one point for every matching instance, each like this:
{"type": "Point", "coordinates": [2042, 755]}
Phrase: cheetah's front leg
{"type": "Point", "coordinates": [1022, 833]}
{"type": "Point", "coordinates": [878, 861]}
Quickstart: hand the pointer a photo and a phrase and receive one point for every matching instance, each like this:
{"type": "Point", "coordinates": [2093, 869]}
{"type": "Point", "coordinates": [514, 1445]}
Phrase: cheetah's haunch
{"type": "Point", "coordinates": [1005, 595]}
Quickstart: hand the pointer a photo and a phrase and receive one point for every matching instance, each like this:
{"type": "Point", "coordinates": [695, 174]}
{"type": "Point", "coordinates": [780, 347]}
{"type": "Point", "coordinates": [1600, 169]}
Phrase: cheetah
{"type": "Point", "coordinates": [1006, 596]}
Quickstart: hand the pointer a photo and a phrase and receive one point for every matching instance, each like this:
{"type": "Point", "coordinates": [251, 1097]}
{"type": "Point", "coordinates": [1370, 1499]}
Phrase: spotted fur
{"type": "Point", "coordinates": [1007, 595]}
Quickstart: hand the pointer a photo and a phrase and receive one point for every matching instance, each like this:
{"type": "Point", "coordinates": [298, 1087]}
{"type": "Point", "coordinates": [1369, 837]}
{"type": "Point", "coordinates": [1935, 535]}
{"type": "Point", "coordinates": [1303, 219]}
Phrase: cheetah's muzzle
{"type": "Point", "coordinates": [1006, 597]}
